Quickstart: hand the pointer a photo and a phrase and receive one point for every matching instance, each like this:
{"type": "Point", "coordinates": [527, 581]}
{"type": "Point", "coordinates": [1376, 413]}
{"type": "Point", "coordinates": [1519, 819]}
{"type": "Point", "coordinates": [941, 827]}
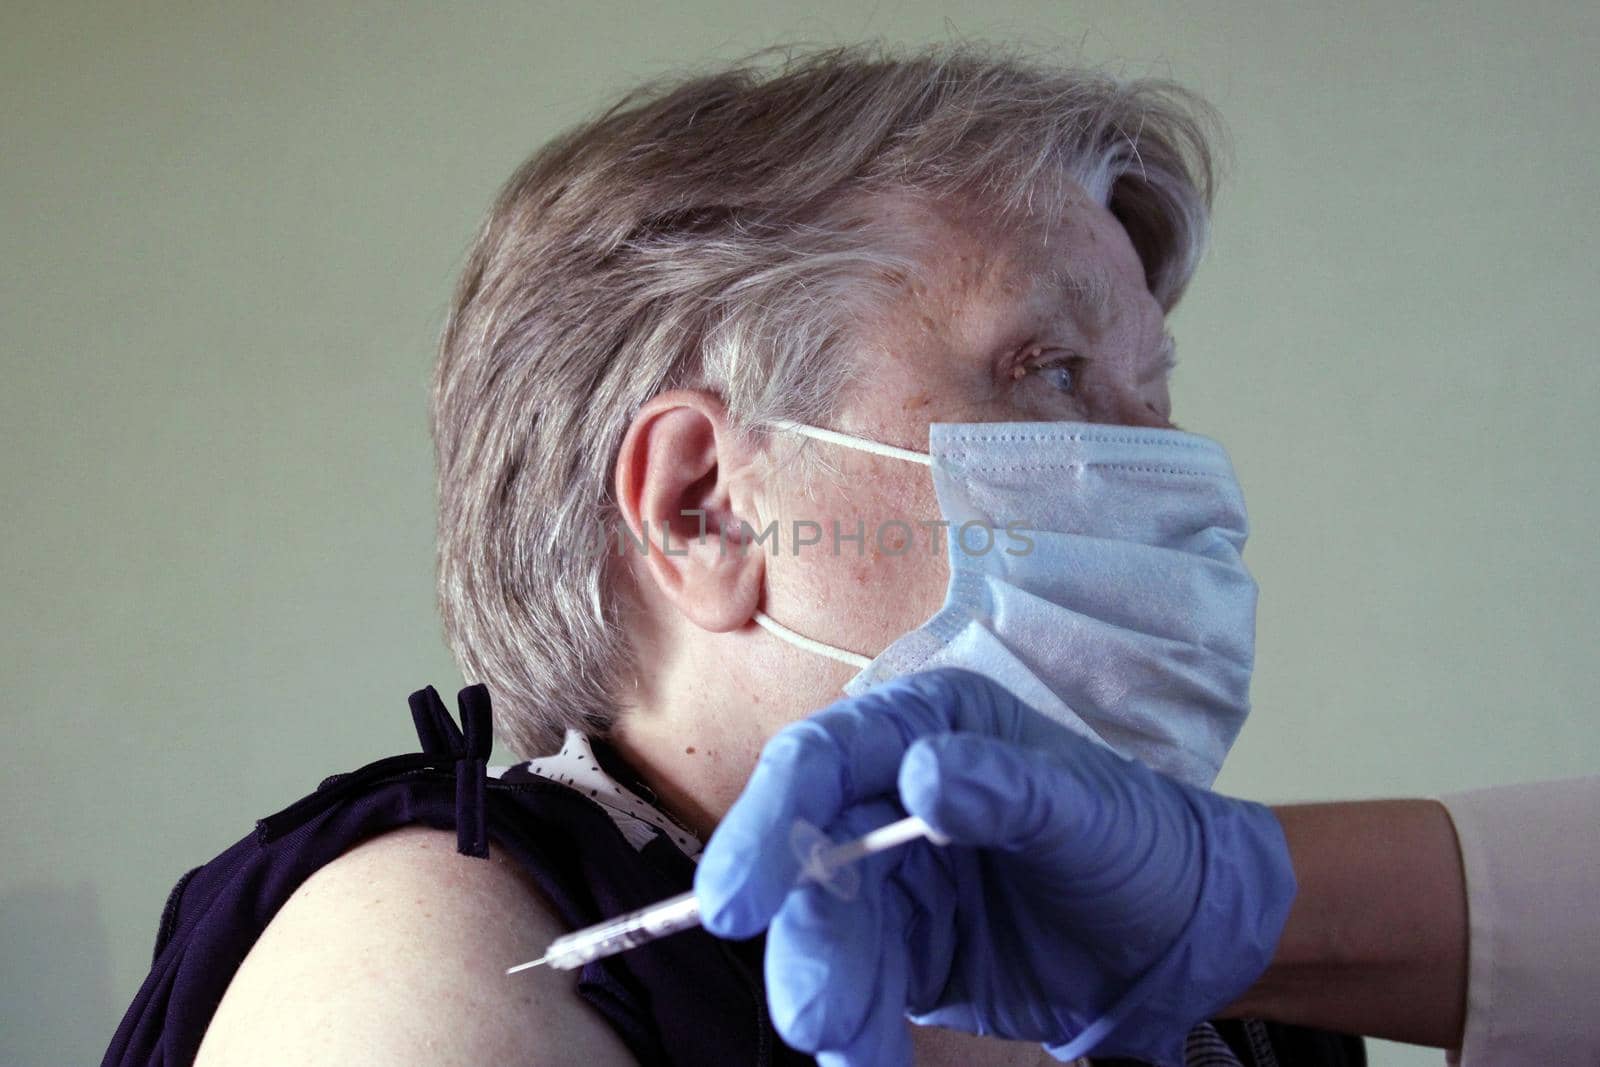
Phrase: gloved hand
{"type": "Point", "coordinates": [1085, 902]}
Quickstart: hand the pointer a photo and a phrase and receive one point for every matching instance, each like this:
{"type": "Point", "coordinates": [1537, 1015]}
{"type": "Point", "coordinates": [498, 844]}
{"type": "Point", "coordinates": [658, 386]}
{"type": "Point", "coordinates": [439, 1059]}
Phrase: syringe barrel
{"type": "Point", "coordinates": [573, 950]}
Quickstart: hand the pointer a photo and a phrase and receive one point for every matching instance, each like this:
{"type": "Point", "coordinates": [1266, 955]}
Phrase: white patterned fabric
{"type": "Point", "coordinates": [575, 767]}
{"type": "Point", "coordinates": [1204, 1047]}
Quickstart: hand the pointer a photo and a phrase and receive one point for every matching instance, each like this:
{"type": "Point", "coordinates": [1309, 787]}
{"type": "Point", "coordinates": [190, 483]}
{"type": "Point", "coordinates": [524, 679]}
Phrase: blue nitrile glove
{"type": "Point", "coordinates": [1086, 901]}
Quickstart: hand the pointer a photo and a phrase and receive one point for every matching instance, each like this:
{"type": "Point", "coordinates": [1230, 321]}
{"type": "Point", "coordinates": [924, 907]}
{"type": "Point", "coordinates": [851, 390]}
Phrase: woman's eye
{"type": "Point", "coordinates": [1060, 374]}
{"type": "Point", "coordinates": [1061, 377]}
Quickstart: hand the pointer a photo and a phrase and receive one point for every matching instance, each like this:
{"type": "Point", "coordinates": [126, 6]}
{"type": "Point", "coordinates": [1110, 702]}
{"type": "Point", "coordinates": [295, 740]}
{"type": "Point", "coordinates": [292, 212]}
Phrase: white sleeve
{"type": "Point", "coordinates": [1531, 854]}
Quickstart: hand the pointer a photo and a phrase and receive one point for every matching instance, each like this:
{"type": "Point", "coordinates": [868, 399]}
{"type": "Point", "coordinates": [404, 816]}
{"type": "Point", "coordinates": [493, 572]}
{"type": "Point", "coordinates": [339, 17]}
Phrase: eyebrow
{"type": "Point", "coordinates": [1086, 291]}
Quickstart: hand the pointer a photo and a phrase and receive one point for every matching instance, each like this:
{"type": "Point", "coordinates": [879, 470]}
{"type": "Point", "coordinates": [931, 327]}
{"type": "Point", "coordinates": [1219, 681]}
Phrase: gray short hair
{"type": "Point", "coordinates": [718, 232]}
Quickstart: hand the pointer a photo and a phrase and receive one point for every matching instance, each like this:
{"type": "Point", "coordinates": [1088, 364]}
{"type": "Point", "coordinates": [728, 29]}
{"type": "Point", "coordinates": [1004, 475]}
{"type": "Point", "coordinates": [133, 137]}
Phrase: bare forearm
{"type": "Point", "coordinates": [1376, 941]}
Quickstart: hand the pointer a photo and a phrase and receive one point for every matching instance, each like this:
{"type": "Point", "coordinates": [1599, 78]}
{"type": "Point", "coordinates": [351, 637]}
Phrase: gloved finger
{"type": "Point", "coordinates": [930, 886]}
{"type": "Point", "coordinates": [834, 966]}
{"type": "Point", "coordinates": [884, 1037]}
{"type": "Point", "coordinates": [1094, 827]}
{"type": "Point", "coordinates": [988, 792]}
{"type": "Point", "coordinates": [817, 767]}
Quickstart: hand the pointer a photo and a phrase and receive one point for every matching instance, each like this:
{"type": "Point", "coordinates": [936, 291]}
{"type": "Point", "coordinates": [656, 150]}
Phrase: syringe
{"type": "Point", "coordinates": [820, 861]}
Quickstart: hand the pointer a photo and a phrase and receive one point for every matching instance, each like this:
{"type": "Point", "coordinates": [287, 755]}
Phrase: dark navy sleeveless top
{"type": "Point", "coordinates": [690, 999]}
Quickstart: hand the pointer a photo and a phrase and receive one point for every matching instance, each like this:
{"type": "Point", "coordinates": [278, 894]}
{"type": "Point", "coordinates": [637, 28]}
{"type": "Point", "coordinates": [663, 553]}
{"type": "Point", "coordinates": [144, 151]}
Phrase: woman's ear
{"type": "Point", "coordinates": [677, 474]}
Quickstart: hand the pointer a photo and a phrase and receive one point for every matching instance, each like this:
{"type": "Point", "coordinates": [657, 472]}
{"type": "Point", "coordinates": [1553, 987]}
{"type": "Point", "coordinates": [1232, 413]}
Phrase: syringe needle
{"type": "Point", "coordinates": [525, 966]}
{"type": "Point", "coordinates": [820, 861]}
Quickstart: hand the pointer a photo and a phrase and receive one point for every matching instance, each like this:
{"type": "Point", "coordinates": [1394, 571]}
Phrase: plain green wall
{"type": "Point", "coordinates": [229, 237]}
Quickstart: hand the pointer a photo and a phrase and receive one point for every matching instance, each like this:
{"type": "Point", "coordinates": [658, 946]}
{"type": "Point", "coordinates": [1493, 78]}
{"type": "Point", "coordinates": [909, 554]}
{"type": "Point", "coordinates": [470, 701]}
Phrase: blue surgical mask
{"type": "Point", "coordinates": [1110, 594]}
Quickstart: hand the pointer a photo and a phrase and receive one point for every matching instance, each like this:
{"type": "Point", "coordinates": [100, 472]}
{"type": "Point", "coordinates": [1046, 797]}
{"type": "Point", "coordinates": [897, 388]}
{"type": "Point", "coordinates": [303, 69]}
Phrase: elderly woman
{"type": "Point", "coordinates": [682, 412]}
{"type": "Point", "coordinates": [859, 244]}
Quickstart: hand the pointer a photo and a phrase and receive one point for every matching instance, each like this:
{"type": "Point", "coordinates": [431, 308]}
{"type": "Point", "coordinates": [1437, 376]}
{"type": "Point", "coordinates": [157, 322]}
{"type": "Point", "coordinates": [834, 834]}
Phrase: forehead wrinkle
{"type": "Point", "coordinates": [1082, 289]}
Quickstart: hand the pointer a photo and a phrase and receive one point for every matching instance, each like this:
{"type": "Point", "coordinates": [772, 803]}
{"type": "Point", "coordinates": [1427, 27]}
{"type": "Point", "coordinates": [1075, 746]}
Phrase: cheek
{"type": "Point", "coordinates": [911, 587]}
{"type": "Point", "coordinates": [862, 594]}
{"type": "Point", "coordinates": [897, 578]}
{"type": "Point", "coordinates": [892, 587]}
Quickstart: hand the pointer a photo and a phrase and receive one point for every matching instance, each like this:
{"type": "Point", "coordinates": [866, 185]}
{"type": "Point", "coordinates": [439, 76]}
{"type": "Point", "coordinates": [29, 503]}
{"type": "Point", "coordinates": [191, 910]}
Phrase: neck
{"type": "Point", "coordinates": [697, 734]}
{"type": "Point", "coordinates": [695, 764]}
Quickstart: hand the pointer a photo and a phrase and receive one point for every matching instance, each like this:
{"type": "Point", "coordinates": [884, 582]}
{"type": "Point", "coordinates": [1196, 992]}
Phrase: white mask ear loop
{"type": "Point", "coordinates": [861, 444]}
{"type": "Point", "coordinates": [778, 629]}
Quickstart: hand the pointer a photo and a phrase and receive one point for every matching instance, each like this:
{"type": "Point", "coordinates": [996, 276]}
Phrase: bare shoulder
{"type": "Point", "coordinates": [395, 953]}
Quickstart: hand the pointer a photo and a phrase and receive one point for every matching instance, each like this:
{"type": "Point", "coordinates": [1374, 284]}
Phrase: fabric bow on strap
{"type": "Point", "coordinates": [444, 745]}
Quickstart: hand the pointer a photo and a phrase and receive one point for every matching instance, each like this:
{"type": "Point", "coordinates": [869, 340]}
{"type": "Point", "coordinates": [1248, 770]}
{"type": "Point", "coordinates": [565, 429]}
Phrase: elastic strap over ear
{"type": "Point", "coordinates": [777, 629]}
{"type": "Point", "coordinates": [860, 444]}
